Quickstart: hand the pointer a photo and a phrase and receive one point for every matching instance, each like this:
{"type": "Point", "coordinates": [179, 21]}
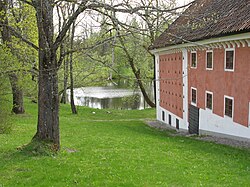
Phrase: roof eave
{"type": "Point", "coordinates": [202, 42]}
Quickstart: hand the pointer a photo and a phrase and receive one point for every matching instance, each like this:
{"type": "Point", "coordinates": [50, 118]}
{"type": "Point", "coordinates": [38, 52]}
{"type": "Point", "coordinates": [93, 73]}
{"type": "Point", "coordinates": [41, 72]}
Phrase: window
{"type": "Point", "coordinates": [194, 96]}
{"type": "Point", "coordinates": [163, 116]}
{"type": "Point", "coordinates": [169, 119]}
{"type": "Point", "coordinates": [193, 59]}
{"type": "Point", "coordinates": [177, 124]}
{"type": "Point", "coordinates": [228, 106]}
{"type": "Point", "coordinates": [209, 60]}
{"type": "Point", "coordinates": [209, 100]}
{"type": "Point", "coordinates": [229, 59]}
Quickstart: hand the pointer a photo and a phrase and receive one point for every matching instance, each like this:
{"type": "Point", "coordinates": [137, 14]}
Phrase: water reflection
{"type": "Point", "coordinates": [111, 97]}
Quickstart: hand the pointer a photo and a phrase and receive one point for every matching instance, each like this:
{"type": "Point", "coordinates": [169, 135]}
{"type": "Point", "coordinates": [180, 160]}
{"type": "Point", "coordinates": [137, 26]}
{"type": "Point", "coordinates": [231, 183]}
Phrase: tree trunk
{"type": "Point", "coordinates": [72, 102]}
{"type": "Point", "coordinates": [17, 95]}
{"type": "Point", "coordinates": [137, 74]}
{"type": "Point", "coordinates": [139, 81]}
{"type": "Point", "coordinates": [48, 100]}
{"type": "Point", "coordinates": [48, 106]}
{"type": "Point", "coordinates": [65, 81]}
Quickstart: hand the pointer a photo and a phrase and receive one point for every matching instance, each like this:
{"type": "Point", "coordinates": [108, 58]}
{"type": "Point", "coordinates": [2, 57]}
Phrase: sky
{"type": "Point", "coordinates": [183, 2]}
{"type": "Point", "coordinates": [91, 22]}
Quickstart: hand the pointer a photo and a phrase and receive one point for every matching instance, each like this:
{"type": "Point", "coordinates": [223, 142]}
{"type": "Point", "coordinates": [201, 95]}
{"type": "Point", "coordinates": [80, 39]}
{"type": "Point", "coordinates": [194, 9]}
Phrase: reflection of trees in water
{"type": "Point", "coordinates": [94, 97]}
{"type": "Point", "coordinates": [132, 102]}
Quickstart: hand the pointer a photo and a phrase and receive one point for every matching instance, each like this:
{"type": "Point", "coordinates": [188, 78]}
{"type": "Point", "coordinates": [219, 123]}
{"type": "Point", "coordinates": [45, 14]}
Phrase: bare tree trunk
{"type": "Point", "coordinates": [17, 93]}
{"type": "Point", "coordinates": [72, 102]}
{"type": "Point", "coordinates": [137, 74]}
{"type": "Point", "coordinates": [48, 100]}
{"type": "Point", "coordinates": [65, 80]}
{"type": "Point", "coordinates": [140, 83]}
{"type": "Point", "coordinates": [61, 22]}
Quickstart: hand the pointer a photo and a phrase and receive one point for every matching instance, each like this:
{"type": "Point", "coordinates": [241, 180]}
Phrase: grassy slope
{"type": "Point", "coordinates": [118, 149]}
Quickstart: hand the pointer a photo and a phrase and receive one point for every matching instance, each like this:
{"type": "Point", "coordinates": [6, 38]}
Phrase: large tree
{"type": "Point", "coordinates": [49, 63]}
{"type": "Point", "coordinates": [48, 99]}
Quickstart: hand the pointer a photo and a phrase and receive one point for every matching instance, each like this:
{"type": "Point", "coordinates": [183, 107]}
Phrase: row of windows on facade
{"type": "Point", "coordinates": [177, 122]}
{"type": "Point", "coordinates": [229, 59]}
{"type": "Point", "coordinates": [228, 102]}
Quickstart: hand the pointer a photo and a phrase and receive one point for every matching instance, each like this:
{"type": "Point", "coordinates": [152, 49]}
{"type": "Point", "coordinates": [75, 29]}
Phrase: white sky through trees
{"type": "Point", "coordinates": [183, 2]}
{"type": "Point", "coordinates": [90, 20]}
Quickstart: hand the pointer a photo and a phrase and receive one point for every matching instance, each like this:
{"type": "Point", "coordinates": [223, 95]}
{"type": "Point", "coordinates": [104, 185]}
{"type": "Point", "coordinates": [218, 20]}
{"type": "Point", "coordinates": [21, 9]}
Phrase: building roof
{"type": "Point", "coordinates": [205, 19]}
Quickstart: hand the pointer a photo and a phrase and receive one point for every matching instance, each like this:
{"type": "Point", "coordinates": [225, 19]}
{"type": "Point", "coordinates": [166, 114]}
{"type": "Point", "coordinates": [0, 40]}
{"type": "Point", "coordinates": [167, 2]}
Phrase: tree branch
{"type": "Point", "coordinates": [66, 27]}
{"type": "Point", "coordinates": [18, 35]}
{"type": "Point", "coordinates": [28, 2]}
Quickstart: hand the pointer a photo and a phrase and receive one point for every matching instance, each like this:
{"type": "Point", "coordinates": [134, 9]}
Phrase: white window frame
{"type": "Point", "coordinates": [195, 104]}
{"type": "Point", "coordinates": [196, 63]}
{"type": "Point", "coordinates": [225, 59]}
{"type": "Point", "coordinates": [228, 97]}
{"type": "Point", "coordinates": [208, 92]}
{"type": "Point", "coordinates": [210, 51]}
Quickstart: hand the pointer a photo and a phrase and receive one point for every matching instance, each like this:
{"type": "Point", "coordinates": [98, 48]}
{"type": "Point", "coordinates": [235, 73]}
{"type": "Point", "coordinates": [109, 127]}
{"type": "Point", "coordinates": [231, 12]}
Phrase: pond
{"type": "Point", "coordinates": [110, 96]}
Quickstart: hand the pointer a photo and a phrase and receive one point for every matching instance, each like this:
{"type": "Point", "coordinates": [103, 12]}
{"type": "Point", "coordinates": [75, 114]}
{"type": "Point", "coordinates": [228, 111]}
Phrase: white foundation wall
{"type": "Point", "coordinates": [212, 124]}
{"type": "Point", "coordinates": [182, 123]}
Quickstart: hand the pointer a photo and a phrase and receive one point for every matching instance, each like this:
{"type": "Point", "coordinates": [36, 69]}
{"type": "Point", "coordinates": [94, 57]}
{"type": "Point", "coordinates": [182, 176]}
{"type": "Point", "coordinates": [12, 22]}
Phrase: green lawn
{"type": "Point", "coordinates": [117, 149]}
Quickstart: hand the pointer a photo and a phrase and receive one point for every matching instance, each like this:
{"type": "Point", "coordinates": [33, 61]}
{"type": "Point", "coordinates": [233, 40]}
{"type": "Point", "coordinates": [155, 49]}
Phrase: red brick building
{"type": "Point", "coordinates": [203, 69]}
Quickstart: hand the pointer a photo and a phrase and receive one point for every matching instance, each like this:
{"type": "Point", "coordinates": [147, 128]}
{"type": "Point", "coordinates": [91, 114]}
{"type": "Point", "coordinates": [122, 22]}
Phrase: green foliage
{"type": "Point", "coordinates": [16, 56]}
{"type": "Point", "coordinates": [5, 124]}
{"type": "Point", "coordinates": [117, 149]}
{"type": "Point", "coordinates": [5, 105]}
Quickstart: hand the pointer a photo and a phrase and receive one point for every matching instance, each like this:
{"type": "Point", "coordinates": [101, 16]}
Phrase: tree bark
{"type": "Point", "coordinates": [72, 101]}
{"type": "Point", "coordinates": [140, 83]}
{"type": "Point", "coordinates": [137, 74]}
{"type": "Point", "coordinates": [48, 100]}
{"type": "Point", "coordinates": [65, 81]}
{"type": "Point", "coordinates": [61, 22]}
{"type": "Point", "coordinates": [17, 95]}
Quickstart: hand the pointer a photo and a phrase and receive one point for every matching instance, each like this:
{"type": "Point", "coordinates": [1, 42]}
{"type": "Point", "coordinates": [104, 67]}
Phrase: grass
{"type": "Point", "coordinates": [116, 148]}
